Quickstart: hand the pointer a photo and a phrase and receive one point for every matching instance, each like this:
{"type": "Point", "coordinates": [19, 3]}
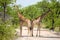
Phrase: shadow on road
{"type": "Point", "coordinates": [42, 36]}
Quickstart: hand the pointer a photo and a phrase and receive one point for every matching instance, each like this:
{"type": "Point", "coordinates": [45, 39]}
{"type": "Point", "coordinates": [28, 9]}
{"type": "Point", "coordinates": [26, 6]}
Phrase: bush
{"type": "Point", "coordinates": [6, 31]}
{"type": "Point", "coordinates": [57, 29]}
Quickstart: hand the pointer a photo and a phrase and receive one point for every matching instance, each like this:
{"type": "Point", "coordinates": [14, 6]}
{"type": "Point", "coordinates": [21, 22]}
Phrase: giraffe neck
{"type": "Point", "coordinates": [21, 17]}
{"type": "Point", "coordinates": [42, 16]}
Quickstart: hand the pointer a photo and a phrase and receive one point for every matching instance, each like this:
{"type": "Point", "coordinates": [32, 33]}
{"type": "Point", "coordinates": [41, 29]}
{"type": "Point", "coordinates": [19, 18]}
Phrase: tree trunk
{"type": "Point", "coordinates": [4, 10]}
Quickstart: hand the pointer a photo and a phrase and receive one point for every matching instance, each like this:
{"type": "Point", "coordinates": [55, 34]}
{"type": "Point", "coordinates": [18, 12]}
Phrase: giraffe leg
{"type": "Point", "coordinates": [28, 31]}
{"type": "Point", "coordinates": [39, 29]}
{"type": "Point", "coordinates": [37, 32]}
{"type": "Point", "coordinates": [20, 29]}
{"type": "Point", "coordinates": [32, 31]}
{"type": "Point", "coordinates": [32, 27]}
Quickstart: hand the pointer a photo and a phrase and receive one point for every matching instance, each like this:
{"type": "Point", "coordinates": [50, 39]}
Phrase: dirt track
{"type": "Point", "coordinates": [45, 35]}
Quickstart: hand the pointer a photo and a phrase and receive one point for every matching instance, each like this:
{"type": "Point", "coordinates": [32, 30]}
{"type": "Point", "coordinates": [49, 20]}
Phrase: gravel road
{"type": "Point", "coordinates": [45, 35]}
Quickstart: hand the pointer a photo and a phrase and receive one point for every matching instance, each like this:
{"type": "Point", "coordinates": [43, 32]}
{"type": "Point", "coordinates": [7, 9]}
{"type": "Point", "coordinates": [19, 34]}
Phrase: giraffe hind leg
{"type": "Point", "coordinates": [37, 32]}
{"type": "Point", "coordinates": [31, 29]}
{"type": "Point", "coordinates": [20, 31]}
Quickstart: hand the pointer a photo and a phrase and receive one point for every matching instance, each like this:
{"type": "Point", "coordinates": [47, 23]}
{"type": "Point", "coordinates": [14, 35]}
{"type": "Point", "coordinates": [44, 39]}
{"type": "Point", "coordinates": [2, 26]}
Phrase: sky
{"type": "Point", "coordinates": [25, 3]}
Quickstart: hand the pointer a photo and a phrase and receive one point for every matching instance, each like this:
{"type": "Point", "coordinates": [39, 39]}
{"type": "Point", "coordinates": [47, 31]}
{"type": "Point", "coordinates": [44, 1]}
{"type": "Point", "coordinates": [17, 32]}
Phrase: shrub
{"type": "Point", "coordinates": [6, 31]}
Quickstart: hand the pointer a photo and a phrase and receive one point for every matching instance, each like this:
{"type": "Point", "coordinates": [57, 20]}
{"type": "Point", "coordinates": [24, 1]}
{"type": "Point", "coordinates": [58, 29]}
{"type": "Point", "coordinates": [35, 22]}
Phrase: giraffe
{"type": "Point", "coordinates": [38, 21]}
{"type": "Point", "coordinates": [23, 20]}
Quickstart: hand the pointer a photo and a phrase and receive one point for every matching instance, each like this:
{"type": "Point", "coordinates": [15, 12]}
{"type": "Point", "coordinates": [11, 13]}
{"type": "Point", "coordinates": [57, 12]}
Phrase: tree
{"type": "Point", "coordinates": [36, 10]}
{"type": "Point", "coordinates": [4, 4]}
{"type": "Point", "coordinates": [54, 5]}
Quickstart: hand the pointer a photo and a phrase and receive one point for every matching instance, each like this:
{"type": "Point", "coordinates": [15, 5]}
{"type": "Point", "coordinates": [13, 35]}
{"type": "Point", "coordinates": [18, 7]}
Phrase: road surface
{"type": "Point", "coordinates": [45, 35]}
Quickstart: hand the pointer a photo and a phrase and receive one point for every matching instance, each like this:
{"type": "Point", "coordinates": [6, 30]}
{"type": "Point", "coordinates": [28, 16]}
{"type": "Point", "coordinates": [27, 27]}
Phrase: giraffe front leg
{"type": "Point", "coordinates": [28, 31]}
{"type": "Point", "coordinates": [32, 31]}
{"type": "Point", "coordinates": [32, 28]}
{"type": "Point", "coordinates": [20, 31]}
{"type": "Point", "coordinates": [28, 25]}
{"type": "Point", "coordinates": [37, 32]}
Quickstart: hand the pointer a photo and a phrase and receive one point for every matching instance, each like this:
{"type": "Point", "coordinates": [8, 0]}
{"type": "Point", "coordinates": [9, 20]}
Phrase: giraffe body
{"type": "Point", "coordinates": [38, 20]}
{"type": "Point", "coordinates": [22, 21]}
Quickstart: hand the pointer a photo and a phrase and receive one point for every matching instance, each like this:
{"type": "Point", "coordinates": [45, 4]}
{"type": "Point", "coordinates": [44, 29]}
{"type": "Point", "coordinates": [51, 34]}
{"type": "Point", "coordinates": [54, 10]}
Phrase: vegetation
{"type": "Point", "coordinates": [7, 30]}
{"type": "Point", "coordinates": [53, 17]}
{"type": "Point", "coordinates": [7, 27]}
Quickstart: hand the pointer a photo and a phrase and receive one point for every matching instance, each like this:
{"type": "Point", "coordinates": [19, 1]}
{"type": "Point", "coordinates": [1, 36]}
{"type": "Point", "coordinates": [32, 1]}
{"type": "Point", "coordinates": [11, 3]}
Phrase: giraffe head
{"type": "Point", "coordinates": [16, 7]}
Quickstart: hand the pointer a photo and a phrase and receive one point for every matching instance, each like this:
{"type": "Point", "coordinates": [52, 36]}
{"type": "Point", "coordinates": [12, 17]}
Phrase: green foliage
{"type": "Point", "coordinates": [31, 12]}
{"type": "Point", "coordinates": [6, 31]}
{"type": "Point", "coordinates": [53, 17]}
{"type": "Point", "coordinates": [57, 22]}
{"type": "Point", "coordinates": [4, 4]}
